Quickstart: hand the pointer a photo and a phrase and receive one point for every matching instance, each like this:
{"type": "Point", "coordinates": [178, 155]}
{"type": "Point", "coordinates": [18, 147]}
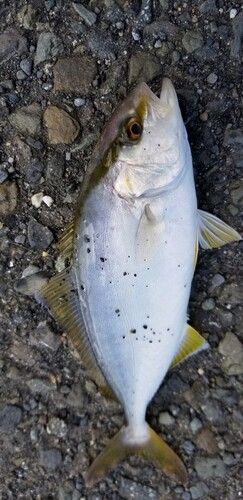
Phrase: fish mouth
{"type": "Point", "coordinates": [168, 94]}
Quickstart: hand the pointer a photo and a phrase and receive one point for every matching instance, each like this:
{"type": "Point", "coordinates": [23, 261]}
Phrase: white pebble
{"type": "Point", "coordinates": [48, 200]}
{"type": "Point", "coordinates": [79, 102]}
{"type": "Point", "coordinates": [36, 199]}
{"type": "Point", "coordinates": [68, 156]}
{"type": "Point", "coordinates": [233, 13]}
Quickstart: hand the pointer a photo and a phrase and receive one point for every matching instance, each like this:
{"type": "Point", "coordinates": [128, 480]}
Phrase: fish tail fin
{"type": "Point", "coordinates": [151, 446]}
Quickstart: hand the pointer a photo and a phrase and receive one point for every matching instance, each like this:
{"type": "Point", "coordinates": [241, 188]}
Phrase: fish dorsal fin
{"type": "Point", "coordinates": [213, 232]}
{"type": "Point", "coordinates": [192, 343]}
{"type": "Point", "coordinates": [65, 244]}
{"type": "Point", "coordinates": [61, 297]}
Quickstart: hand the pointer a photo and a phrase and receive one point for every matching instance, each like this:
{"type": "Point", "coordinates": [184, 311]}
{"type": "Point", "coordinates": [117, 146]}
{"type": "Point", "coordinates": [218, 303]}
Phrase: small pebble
{"type": "Point", "coordinates": [79, 102]}
{"type": "Point", "coordinates": [203, 116]}
{"type": "Point", "coordinates": [166, 419]}
{"type": "Point", "coordinates": [36, 199]}
{"type": "Point", "coordinates": [68, 156]}
{"type": "Point", "coordinates": [212, 78]}
{"type": "Point", "coordinates": [47, 86]}
{"type": "Point", "coordinates": [233, 13]}
{"type": "Point", "coordinates": [26, 66]}
{"type": "Point", "coordinates": [208, 305]}
{"type": "Point", "coordinates": [21, 75]}
{"type": "Point", "coordinates": [48, 200]}
{"type": "Point", "coordinates": [195, 424]}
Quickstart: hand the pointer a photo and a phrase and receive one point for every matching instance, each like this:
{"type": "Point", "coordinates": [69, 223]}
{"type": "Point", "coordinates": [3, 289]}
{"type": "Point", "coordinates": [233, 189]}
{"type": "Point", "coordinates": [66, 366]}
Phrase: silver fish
{"type": "Point", "coordinates": [132, 250]}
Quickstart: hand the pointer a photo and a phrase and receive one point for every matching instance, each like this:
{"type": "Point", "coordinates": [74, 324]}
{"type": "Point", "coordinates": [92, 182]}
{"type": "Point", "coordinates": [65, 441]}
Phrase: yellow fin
{"type": "Point", "coordinates": [65, 244]}
{"type": "Point", "coordinates": [213, 232]}
{"type": "Point", "coordinates": [154, 448]}
{"type": "Point", "coordinates": [192, 343]}
{"type": "Point", "coordinates": [61, 297]}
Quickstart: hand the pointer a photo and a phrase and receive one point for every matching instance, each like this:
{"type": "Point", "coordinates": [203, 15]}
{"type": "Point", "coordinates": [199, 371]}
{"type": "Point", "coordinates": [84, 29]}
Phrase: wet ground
{"type": "Point", "coordinates": [62, 71]}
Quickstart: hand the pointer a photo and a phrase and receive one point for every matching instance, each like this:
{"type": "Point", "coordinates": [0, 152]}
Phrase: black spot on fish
{"type": "Point", "coordinates": [135, 275]}
{"type": "Point", "coordinates": [133, 330]}
{"type": "Point", "coordinates": [145, 327]}
{"type": "Point", "coordinates": [82, 287]}
{"type": "Point", "coordinates": [150, 341]}
{"type": "Point", "coordinates": [117, 311]}
{"type": "Point", "coordinates": [125, 273]}
{"type": "Point", "coordinates": [123, 336]}
{"type": "Point", "coordinates": [88, 250]}
{"type": "Point", "coordinates": [86, 238]}
{"type": "Point", "coordinates": [102, 259]}
{"type": "Point", "coordinates": [168, 329]}
{"type": "Point", "coordinates": [179, 265]}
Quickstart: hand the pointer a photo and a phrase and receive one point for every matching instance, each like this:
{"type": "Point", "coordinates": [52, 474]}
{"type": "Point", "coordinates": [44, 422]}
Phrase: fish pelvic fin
{"type": "Point", "coordinates": [213, 232]}
{"type": "Point", "coordinates": [192, 343]}
{"type": "Point", "coordinates": [152, 447]}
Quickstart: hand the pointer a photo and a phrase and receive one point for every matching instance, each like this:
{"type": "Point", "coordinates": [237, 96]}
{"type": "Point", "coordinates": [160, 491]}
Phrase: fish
{"type": "Point", "coordinates": [130, 255]}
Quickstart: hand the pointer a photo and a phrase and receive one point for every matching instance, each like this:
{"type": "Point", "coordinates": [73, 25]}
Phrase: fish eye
{"type": "Point", "coordinates": [134, 129]}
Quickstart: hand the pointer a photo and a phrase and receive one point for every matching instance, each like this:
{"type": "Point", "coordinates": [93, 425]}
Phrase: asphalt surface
{"type": "Point", "coordinates": [62, 72]}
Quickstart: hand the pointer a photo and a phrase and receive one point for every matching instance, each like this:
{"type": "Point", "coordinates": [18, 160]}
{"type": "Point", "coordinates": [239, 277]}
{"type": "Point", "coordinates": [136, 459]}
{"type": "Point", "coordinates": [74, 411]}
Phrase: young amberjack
{"type": "Point", "coordinates": [132, 251]}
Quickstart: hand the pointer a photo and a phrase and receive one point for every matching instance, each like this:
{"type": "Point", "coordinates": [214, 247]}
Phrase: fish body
{"type": "Point", "coordinates": [132, 251]}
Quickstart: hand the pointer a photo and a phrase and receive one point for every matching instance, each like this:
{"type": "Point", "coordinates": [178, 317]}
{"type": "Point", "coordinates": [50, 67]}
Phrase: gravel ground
{"type": "Point", "coordinates": [63, 68]}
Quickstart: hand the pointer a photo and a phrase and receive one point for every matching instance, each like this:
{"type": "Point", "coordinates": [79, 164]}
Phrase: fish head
{"type": "Point", "coordinates": [150, 141]}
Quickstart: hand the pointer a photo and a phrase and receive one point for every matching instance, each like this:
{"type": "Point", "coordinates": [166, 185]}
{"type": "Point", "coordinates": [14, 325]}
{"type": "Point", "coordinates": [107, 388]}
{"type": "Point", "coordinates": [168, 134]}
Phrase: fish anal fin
{"type": "Point", "coordinates": [213, 232]}
{"type": "Point", "coordinates": [154, 448]}
{"type": "Point", "coordinates": [61, 297]}
{"type": "Point", "coordinates": [65, 243]}
{"type": "Point", "coordinates": [192, 343]}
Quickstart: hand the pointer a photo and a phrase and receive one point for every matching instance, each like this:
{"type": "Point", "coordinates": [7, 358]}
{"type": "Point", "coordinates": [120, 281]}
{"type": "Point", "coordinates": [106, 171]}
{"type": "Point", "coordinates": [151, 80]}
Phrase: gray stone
{"type": "Point", "coordinates": [79, 102]}
{"type": "Point", "coordinates": [195, 424]}
{"type": "Point", "coordinates": [233, 137]}
{"type": "Point", "coordinates": [212, 78]}
{"type": "Point", "coordinates": [48, 46]}
{"type": "Point", "coordinates": [46, 337]}
{"type": "Point", "coordinates": [237, 196]}
{"type": "Point", "coordinates": [143, 67]}
{"type": "Point", "coordinates": [26, 66]}
{"type": "Point", "coordinates": [101, 45]}
{"type": "Point", "coordinates": [27, 16]}
{"type": "Point", "coordinates": [39, 236]}
{"type": "Point", "coordinates": [199, 490]}
{"type": "Point", "coordinates": [74, 74]}
{"type": "Point", "coordinates": [3, 176]}
{"type": "Point", "coordinates": [49, 4]}
{"type": "Point", "coordinates": [55, 167]}
{"type": "Point", "coordinates": [86, 15]}
{"type": "Point", "coordinates": [51, 459]}
{"type": "Point", "coordinates": [217, 280]}
{"type": "Point", "coordinates": [21, 75]}
{"type": "Point", "coordinates": [212, 410]}
{"type": "Point", "coordinates": [41, 386]}
{"type": "Point", "coordinates": [232, 294]}
{"type": "Point", "coordinates": [232, 349]}
{"type": "Point", "coordinates": [166, 419]}
{"type": "Point", "coordinates": [210, 467]}
{"type": "Point", "coordinates": [208, 7]}
{"type": "Point", "coordinates": [208, 305]}
{"type": "Point", "coordinates": [192, 40]}
{"type": "Point", "coordinates": [27, 120]}
{"type": "Point", "coordinates": [75, 397]}
{"type": "Point", "coordinates": [161, 29]}
{"type": "Point", "coordinates": [34, 171]}
{"type": "Point", "coordinates": [10, 417]}
{"type": "Point", "coordinates": [130, 489]}
{"type": "Point", "coordinates": [8, 198]}
{"type": "Point", "coordinates": [57, 427]}
{"type": "Point", "coordinates": [11, 44]}
{"type": "Point", "coordinates": [7, 84]}
{"type": "Point", "coordinates": [236, 43]}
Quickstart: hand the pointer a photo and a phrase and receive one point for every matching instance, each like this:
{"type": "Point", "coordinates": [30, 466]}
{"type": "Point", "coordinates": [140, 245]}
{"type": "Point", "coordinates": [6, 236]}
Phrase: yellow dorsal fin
{"type": "Point", "coordinates": [196, 254]}
{"type": "Point", "coordinates": [65, 244]}
{"type": "Point", "coordinates": [61, 297]}
{"type": "Point", "coordinates": [192, 343]}
{"type": "Point", "coordinates": [213, 232]}
{"type": "Point", "coordinates": [154, 448]}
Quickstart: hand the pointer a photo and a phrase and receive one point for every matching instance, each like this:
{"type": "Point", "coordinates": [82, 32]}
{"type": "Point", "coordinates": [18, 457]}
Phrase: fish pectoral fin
{"type": "Point", "coordinates": [192, 343]}
{"type": "Point", "coordinates": [213, 232]}
{"type": "Point", "coordinates": [154, 448]}
{"type": "Point", "coordinates": [60, 296]}
{"type": "Point", "coordinates": [65, 243]}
